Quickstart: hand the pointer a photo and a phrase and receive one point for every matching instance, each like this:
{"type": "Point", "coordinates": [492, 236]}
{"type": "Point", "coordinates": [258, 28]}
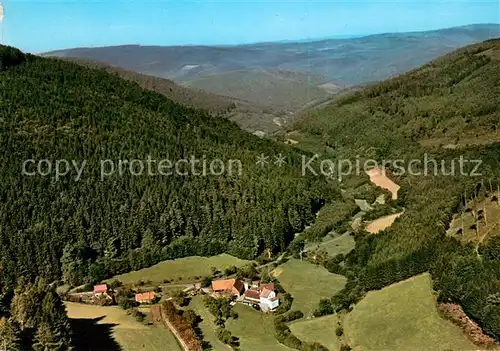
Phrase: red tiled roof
{"type": "Point", "coordinates": [102, 288]}
{"type": "Point", "coordinates": [147, 296]}
{"type": "Point", "coordinates": [268, 286]}
{"type": "Point", "coordinates": [239, 286]}
{"type": "Point", "coordinates": [235, 286]}
{"type": "Point", "coordinates": [252, 294]}
{"type": "Point", "coordinates": [220, 285]}
{"type": "Point", "coordinates": [265, 292]}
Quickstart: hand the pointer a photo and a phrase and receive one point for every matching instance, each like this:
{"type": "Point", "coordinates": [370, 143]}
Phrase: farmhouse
{"type": "Point", "coordinates": [100, 289]}
{"type": "Point", "coordinates": [147, 297]}
{"type": "Point", "coordinates": [264, 297]}
{"type": "Point", "coordinates": [268, 300]}
{"type": "Point", "coordinates": [230, 286]}
{"type": "Point", "coordinates": [252, 297]}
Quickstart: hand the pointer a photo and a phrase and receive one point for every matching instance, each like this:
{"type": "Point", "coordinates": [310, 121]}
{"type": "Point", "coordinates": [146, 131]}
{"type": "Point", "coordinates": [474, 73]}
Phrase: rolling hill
{"type": "Point", "coordinates": [89, 225]}
{"type": "Point", "coordinates": [194, 98]}
{"type": "Point", "coordinates": [449, 100]}
{"type": "Point", "coordinates": [249, 116]}
{"type": "Point", "coordinates": [453, 98]}
{"type": "Point", "coordinates": [255, 69]}
{"type": "Point", "coordinates": [284, 90]}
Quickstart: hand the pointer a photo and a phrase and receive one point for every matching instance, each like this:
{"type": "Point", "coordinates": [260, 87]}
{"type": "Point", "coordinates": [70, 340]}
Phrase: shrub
{"type": "Point", "coordinates": [138, 315]}
{"type": "Point", "coordinates": [115, 284]}
{"type": "Point", "coordinates": [230, 270]}
{"type": "Point", "coordinates": [125, 302]}
{"type": "Point", "coordinates": [225, 336]}
{"type": "Point", "coordinates": [87, 287]}
{"type": "Point", "coordinates": [325, 308]}
{"type": "Point", "coordinates": [206, 282]}
{"type": "Point", "coordinates": [292, 316]}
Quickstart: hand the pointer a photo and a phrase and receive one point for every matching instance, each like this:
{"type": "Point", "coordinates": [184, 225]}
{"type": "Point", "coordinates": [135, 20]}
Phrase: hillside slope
{"type": "Point", "coordinates": [454, 97]}
{"type": "Point", "coordinates": [195, 98]}
{"type": "Point", "coordinates": [249, 116]}
{"type": "Point", "coordinates": [100, 223]}
{"type": "Point", "coordinates": [351, 61]}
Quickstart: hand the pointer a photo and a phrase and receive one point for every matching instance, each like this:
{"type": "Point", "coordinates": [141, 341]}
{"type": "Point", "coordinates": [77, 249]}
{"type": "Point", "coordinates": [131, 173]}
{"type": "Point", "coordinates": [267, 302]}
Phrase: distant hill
{"type": "Point", "coordinates": [189, 97]}
{"type": "Point", "coordinates": [256, 72]}
{"type": "Point", "coordinates": [249, 116]}
{"type": "Point", "coordinates": [285, 90]}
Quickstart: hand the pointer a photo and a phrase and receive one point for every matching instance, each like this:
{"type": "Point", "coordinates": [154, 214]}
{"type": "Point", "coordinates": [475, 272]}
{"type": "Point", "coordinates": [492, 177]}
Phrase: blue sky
{"type": "Point", "coordinates": [37, 26]}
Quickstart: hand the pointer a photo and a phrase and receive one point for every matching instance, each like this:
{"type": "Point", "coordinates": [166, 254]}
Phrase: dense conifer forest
{"type": "Point", "coordinates": [453, 98]}
{"type": "Point", "coordinates": [89, 229]}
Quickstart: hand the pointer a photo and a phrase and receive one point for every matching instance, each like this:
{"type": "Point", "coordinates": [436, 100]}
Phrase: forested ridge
{"type": "Point", "coordinates": [453, 97]}
{"type": "Point", "coordinates": [88, 230]}
{"type": "Point", "coordinates": [218, 105]}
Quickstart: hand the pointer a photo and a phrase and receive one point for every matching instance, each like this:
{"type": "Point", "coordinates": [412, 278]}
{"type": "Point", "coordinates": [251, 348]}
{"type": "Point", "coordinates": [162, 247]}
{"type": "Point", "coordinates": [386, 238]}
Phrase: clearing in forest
{"type": "Point", "coordinates": [335, 245]}
{"type": "Point", "coordinates": [308, 284]}
{"type": "Point", "coordinates": [111, 328]}
{"type": "Point", "coordinates": [379, 178]}
{"type": "Point", "coordinates": [402, 316]}
{"type": "Point", "coordinates": [479, 221]}
{"type": "Point", "coordinates": [382, 223]}
{"type": "Point", "coordinates": [187, 269]}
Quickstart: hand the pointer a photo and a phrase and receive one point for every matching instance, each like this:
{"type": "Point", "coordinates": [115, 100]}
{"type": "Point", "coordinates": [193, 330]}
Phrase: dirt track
{"type": "Point", "coordinates": [157, 318]}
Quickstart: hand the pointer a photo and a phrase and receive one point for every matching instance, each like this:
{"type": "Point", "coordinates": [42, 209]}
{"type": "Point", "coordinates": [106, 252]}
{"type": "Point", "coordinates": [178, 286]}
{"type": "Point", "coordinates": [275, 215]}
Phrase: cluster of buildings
{"type": "Point", "coordinates": [103, 290]}
{"type": "Point", "coordinates": [252, 293]}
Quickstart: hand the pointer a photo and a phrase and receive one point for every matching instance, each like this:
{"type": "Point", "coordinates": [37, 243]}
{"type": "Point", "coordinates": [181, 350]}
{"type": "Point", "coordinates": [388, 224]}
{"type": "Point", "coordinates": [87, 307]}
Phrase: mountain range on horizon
{"type": "Point", "coordinates": [287, 76]}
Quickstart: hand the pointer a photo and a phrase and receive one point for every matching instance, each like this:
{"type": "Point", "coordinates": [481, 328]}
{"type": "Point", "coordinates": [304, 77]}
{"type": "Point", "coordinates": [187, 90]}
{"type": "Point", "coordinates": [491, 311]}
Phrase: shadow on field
{"type": "Point", "coordinates": [89, 335]}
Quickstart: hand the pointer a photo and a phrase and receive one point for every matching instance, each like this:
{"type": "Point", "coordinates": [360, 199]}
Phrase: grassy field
{"type": "Point", "coordinates": [402, 316]}
{"type": "Point", "coordinates": [320, 330]}
{"type": "Point", "coordinates": [180, 270]}
{"type": "Point", "coordinates": [335, 245]}
{"type": "Point", "coordinates": [255, 330]}
{"type": "Point", "coordinates": [207, 325]}
{"type": "Point", "coordinates": [110, 328]}
{"type": "Point", "coordinates": [308, 283]}
{"type": "Point", "coordinates": [486, 217]}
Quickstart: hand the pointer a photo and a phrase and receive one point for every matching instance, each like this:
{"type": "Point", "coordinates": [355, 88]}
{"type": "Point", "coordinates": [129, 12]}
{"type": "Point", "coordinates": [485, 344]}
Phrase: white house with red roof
{"type": "Point", "coordinates": [264, 296]}
{"type": "Point", "coordinates": [268, 298]}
